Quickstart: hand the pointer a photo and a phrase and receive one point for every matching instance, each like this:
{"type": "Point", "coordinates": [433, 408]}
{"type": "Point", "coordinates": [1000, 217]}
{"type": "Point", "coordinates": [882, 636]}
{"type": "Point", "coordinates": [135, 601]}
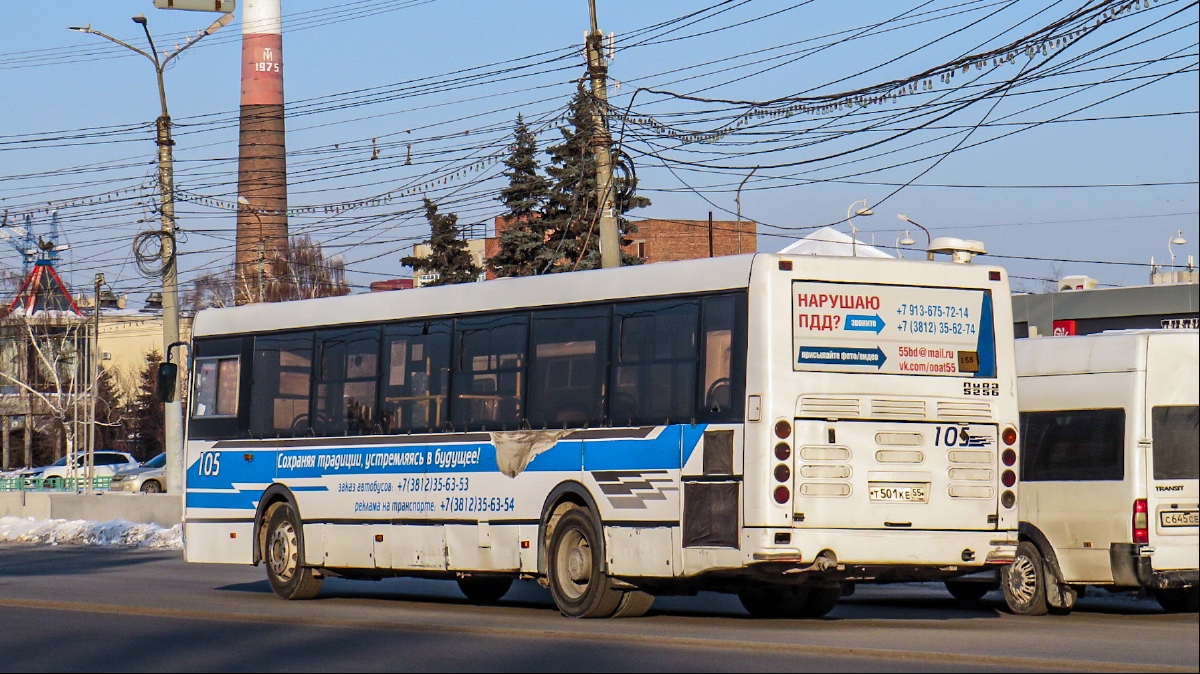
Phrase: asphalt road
{"type": "Point", "coordinates": [112, 609]}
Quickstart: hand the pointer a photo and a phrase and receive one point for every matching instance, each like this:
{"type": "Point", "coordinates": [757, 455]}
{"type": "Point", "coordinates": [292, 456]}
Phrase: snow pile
{"type": "Point", "coordinates": [84, 532]}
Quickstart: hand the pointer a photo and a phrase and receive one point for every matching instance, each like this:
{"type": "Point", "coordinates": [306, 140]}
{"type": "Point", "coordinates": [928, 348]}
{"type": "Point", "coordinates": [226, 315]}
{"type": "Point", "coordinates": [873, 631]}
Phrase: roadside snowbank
{"type": "Point", "coordinates": [84, 532]}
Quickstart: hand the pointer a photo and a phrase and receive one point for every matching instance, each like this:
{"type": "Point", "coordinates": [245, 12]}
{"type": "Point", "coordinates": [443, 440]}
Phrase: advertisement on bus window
{"type": "Point", "coordinates": [840, 327]}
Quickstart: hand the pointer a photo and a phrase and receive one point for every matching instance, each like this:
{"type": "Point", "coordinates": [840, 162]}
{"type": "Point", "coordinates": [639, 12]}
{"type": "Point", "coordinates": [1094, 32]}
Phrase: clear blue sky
{"type": "Point", "coordinates": [78, 114]}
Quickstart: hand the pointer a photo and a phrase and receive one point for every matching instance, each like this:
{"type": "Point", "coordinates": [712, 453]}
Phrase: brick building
{"type": "Point", "coordinates": [659, 240]}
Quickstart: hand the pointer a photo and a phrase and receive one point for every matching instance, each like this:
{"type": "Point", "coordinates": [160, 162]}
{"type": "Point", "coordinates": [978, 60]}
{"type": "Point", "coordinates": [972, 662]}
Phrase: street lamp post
{"type": "Point", "coordinates": [173, 411]}
{"type": "Point", "coordinates": [864, 211]}
{"type": "Point", "coordinates": [928, 237]}
{"type": "Point", "coordinates": [244, 203]}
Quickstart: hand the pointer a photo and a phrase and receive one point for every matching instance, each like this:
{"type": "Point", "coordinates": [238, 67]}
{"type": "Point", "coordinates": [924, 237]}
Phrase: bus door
{"type": "Point", "coordinates": [895, 475]}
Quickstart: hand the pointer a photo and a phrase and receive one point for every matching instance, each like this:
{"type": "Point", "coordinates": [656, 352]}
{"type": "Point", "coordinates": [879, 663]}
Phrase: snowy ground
{"type": "Point", "coordinates": [84, 532]}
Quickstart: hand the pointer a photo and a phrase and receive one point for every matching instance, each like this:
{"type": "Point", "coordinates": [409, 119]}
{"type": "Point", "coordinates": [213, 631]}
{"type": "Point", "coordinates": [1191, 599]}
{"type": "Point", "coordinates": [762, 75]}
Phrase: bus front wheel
{"type": "Point", "coordinates": [576, 571]}
{"type": "Point", "coordinates": [1024, 581]}
{"type": "Point", "coordinates": [284, 555]}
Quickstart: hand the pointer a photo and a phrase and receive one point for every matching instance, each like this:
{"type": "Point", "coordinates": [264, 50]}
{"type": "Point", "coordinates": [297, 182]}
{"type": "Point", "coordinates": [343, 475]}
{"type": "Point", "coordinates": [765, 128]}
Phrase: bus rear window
{"type": "Point", "coordinates": [1176, 442]}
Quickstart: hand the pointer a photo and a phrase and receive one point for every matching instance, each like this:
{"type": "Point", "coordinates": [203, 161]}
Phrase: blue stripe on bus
{"type": "Point", "coordinates": [986, 346]}
{"type": "Point", "coordinates": [670, 449]}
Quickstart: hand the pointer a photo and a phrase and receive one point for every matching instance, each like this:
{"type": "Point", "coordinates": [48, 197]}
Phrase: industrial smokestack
{"type": "Point", "coordinates": [262, 225]}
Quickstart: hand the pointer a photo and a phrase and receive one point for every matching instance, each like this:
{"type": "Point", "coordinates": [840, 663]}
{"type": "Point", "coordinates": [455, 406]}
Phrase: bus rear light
{"type": "Point", "coordinates": [783, 430]}
{"type": "Point", "coordinates": [782, 494]}
{"type": "Point", "coordinates": [1009, 436]}
{"type": "Point", "coordinates": [1141, 522]}
{"type": "Point", "coordinates": [782, 473]}
{"type": "Point", "coordinates": [1008, 478]}
{"type": "Point", "coordinates": [1008, 499]}
{"type": "Point", "coordinates": [785, 265]}
{"type": "Point", "coordinates": [782, 451]}
{"type": "Point", "coordinates": [1009, 457]}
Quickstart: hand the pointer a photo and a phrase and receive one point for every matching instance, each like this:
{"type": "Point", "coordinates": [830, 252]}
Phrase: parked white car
{"type": "Point", "coordinates": [106, 464]}
{"type": "Point", "coordinates": [150, 477]}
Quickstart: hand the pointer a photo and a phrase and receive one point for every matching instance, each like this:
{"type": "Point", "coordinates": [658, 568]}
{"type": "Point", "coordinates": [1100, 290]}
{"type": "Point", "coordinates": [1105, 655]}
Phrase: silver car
{"type": "Point", "coordinates": [150, 477]}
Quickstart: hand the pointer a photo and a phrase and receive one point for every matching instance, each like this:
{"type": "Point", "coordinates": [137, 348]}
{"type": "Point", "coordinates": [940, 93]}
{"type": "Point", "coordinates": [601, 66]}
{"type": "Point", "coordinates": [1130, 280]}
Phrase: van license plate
{"type": "Point", "coordinates": [1180, 518]}
{"type": "Point", "coordinates": [899, 493]}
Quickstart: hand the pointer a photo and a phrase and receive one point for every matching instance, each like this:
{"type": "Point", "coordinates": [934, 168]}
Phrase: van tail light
{"type": "Point", "coordinates": [1141, 522]}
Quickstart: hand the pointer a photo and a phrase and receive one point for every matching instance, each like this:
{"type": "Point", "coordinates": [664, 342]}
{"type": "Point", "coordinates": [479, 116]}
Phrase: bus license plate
{"type": "Point", "coordinates": [899, 493]}
{"type": "Point", "coordinates": [1180, 518]}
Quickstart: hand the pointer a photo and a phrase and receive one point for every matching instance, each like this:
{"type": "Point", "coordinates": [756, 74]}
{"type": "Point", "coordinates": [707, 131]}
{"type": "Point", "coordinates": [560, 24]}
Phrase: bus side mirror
{"type": "Point", "coordinates": [165, 382]}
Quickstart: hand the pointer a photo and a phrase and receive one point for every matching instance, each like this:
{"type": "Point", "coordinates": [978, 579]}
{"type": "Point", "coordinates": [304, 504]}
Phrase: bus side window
{"type": "Point", "coordinates": [723, 350]}
{"type": "Point", "coordinates": [216, 387]}
{"type": "Point", "coordinates": [344, 396]}
{"type": "Point", "coordinates": [568, 368]}
{"type": "Point", "coordinates": [489, 374]}
{"type": "Point", "coordinates": [416, 374]}
{"type": "Point", "coordinates": [282, 373]}
{"type": "Point", "coordinates": [1073, 445]}
{"type": "Point", "coordinates": [654, 374]}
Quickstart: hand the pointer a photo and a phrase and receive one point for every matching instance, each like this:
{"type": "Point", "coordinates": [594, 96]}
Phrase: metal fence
{"type": "Point", "coordinates": [54, 484]}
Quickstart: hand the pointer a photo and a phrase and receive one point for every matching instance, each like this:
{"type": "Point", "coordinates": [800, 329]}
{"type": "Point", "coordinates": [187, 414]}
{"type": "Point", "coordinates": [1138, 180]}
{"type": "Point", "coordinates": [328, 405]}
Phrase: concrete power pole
{"type": "Point", "coordinates": [610, 239]}
{"type": "Point", "coordinates": [262, 222]}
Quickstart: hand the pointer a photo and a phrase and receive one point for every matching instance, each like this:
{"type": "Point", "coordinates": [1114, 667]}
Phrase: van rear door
{"type": "Point", "coordinates": [1173, 462]}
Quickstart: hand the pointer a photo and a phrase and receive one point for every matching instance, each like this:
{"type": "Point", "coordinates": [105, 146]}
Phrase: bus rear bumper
{"type": "Point", "coordinates": [881, 555]}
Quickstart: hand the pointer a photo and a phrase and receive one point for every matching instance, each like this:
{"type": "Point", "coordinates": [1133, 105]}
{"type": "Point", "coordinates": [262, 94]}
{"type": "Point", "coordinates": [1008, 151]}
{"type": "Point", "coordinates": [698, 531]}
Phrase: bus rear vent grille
{"type": "Point", "coordinates": [891, 408]}
{"type": "Point", "coordinates": [829, 407]}
{"type": "Point", "coordinates": [964, 410]}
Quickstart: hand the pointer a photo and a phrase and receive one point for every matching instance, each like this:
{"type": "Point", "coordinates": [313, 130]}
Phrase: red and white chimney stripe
{"type": "Point", "coordinates": [262, 53]}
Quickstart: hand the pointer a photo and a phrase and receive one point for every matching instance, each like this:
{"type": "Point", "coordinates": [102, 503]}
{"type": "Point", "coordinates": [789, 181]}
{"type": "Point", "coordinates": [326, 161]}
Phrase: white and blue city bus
{"type": "Point", "coordinates": [770, 425]}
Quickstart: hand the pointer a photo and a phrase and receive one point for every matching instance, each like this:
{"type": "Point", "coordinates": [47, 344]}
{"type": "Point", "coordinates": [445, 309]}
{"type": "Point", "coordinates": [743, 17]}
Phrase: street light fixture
{"type": "Point", "coordinates": [903, 239]}
{"type": "Point", "coordinates": [864, 211]}
{"type": "Point", "coordinates": [928, 238]}
{"type": "Point", "coordinates": [173, 411]}
{"type": "Point", "coordinates": [1176, 240]}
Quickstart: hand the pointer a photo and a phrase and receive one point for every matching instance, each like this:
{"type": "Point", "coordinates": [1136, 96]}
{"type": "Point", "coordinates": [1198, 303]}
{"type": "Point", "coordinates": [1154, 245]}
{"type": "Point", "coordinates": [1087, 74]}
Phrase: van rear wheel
{"type": "Point", "coordinates": [1024, 581]}
{"type": "Point", "coordinates": [1179, 600]}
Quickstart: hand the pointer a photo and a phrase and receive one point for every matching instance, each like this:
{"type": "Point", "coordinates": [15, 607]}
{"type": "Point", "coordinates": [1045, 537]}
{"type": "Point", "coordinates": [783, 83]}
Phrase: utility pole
{"type": "Point", "coordinates": [94, 361]}
{"type": "Point", "coordinates": [710, 235]}
{"type": "Point", "coordinates": [610, 239]}
{"type": "Point", "coordinates": [173, 411]}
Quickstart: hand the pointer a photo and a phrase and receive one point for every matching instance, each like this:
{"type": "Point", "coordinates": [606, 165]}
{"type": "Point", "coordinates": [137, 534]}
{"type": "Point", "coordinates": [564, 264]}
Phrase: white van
{"type": "Point", "coordinates": [1109, 465]}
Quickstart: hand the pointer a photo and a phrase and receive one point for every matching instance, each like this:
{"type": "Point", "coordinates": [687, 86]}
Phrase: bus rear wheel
{"type": "Point", "coordinates": [1024, 581]}
{"type": "Point", "coordinates": [284, 555]}
{"type": "Point", "coordinates": [576, 570]}
{"type": "Point", "coordinates": [781, 601]}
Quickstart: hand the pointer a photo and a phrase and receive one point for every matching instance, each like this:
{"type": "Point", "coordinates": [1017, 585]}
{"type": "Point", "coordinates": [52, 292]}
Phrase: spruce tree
{"type": "Point", "coordinates": [572, 217]}
{"type": "Point", "coordinates": [146, 413]}
{"type": "Point", "coordinates": [448, 257]}
{"type": "Point", "coordinates": [523, 250]}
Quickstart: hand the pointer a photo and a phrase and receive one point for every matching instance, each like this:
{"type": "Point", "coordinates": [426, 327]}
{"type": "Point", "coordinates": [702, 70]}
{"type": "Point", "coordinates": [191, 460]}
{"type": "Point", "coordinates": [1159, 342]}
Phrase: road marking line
{"type": "Point", "coordinates": [1007, 662]}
